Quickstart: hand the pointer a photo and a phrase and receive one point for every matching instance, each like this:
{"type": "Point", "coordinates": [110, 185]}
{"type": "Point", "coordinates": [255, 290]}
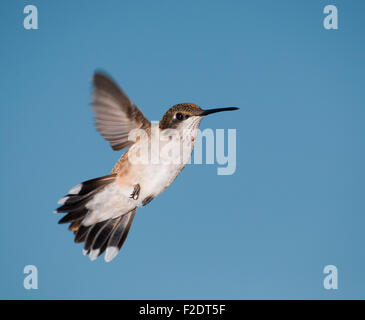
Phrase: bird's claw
{"type": "Point", "coordinates": [135, 193]}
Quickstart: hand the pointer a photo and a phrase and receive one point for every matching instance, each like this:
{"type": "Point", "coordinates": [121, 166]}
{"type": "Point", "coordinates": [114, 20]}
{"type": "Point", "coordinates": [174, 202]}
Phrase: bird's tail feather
{"type": "Point", "coordinates": [108, 235]}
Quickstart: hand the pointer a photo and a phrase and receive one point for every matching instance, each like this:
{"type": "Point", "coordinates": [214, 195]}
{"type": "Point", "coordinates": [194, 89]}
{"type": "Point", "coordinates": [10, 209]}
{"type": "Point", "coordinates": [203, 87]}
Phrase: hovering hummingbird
{"type": "Point", "coordinates": [101, 211]}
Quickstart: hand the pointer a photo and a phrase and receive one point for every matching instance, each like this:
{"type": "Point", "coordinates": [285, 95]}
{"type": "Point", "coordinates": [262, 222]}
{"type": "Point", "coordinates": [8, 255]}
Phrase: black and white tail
{"type": "Point", "coordinates": [108, 235]}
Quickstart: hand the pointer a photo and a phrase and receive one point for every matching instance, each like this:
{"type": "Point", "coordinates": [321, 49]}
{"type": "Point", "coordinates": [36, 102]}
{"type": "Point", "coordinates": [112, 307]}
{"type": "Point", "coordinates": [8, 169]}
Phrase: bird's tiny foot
{"type": "Point", "coordinates": [147, 200]}
{"type": "Point", "coordinates": [135, 193]}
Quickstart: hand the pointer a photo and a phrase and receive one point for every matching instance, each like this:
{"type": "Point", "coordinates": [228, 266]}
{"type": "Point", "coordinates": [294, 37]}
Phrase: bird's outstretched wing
{"type": "Point", "coordinates": [115, 114]}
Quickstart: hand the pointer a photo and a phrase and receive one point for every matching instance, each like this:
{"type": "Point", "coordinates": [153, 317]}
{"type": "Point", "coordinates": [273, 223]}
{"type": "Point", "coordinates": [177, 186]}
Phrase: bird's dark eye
{"type": "Point", "coordinates": [179, 116]}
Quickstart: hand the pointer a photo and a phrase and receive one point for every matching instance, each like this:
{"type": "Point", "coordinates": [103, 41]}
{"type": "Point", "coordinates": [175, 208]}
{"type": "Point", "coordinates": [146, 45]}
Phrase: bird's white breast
{"type": "Point", "coordinates": [153, 177]}
{"type": "Point", "coordinates": [165, 163]}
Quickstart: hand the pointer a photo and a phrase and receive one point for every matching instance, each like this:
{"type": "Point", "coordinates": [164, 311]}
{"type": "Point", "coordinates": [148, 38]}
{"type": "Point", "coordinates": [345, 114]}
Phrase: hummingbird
{"type": "Point", "coordinates": [100, 211]}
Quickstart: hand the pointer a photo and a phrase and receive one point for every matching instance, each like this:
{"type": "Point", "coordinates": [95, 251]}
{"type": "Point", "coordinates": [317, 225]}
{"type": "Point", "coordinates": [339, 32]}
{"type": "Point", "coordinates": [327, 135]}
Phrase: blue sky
{"type": "Point", "coordinates": [295, 203]}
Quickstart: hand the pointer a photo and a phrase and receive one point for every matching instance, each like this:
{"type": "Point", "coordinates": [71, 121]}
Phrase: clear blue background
{"type": "Point", "coordinates": [296, 201]}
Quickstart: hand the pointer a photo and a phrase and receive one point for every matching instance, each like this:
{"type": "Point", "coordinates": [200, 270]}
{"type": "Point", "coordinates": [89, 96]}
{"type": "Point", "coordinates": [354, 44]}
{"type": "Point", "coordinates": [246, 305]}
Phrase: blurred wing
{"type": "Point", "coordinates": [115, 114]}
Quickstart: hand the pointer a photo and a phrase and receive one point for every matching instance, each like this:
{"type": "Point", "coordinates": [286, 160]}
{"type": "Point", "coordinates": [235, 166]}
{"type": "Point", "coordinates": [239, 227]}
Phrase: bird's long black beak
{"type": "Point", "coordinates": [206, 112]}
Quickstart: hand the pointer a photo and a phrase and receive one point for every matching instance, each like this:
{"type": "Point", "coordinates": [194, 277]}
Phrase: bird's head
{"type": "Point", "coordinates": [186, 116]}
